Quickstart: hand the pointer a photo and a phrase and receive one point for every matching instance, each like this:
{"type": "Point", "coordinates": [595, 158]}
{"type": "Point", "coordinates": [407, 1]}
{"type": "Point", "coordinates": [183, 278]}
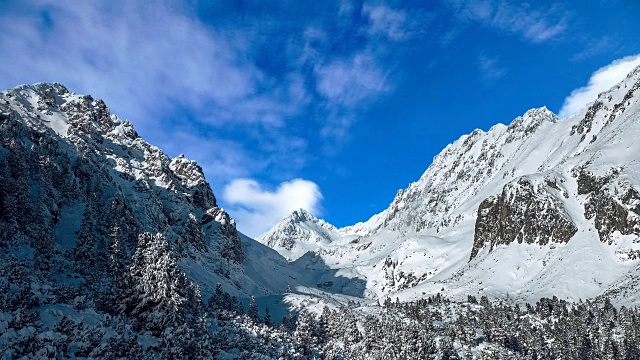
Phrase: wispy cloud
{"type": "Point", "coordinates": [536, 24]}
{"type": "Point", "coordinates": [489, 67]}
{"type": "Point", "coordinates": [601, 80]}
{"type": "Point", "coordinates": [394, 24]}
{"type": "Point", "coordinates": [592, 47]}
{"type": "Point", "coordinates": [349, 82]}
{"type": "Point", "coordinates": [346, 83]}
{"type": "Point", "coordinates": [256, 209]}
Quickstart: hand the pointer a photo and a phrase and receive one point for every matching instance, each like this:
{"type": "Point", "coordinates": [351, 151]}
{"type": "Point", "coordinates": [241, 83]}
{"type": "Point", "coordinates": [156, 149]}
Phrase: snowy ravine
{"type": "Point", "coordinates": [541, 207]}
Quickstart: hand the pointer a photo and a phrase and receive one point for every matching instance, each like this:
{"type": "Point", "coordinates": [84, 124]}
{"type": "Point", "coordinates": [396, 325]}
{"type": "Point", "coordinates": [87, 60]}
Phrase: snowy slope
{"type": "Point", "coordinates": [93, 185]}
{"type": "Point", "coordinates": [541, 207]}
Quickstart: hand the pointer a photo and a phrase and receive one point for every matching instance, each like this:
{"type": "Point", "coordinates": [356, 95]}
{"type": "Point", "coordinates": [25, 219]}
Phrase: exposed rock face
{"type": "Point", "coordinates": [612, 203]}
{"type": "Point", "coordinates": [396, 279]}
{"type": "Point", "coordinates": [192, 177]}
{"type": "Point", "coordinates": [524, 212]}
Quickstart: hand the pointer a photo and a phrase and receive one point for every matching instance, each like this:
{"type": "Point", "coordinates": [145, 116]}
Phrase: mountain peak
{"type": "Point", "coordinates": [298, 233]}
{"type": "Point", "coordinates": [532, 120]}
{"type": "Point", "coordinates": [43, 87]}
{"type": "Point", "coordinates": [542, 112]}
{"type": "Point", "coordinates": [300, 215]}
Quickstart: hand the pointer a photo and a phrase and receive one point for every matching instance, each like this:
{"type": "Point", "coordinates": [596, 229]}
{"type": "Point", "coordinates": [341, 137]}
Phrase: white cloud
{"type": "Point", "coordinates": [490, 68]}
{"type": "Point", "coordinates": [601, 80]}
{"type": "Point", "coordinates": [535, 24]}
{"type": "Point", "coordinates": [388, 22]}
{"type": "Point", "coordinates": [257, 209]}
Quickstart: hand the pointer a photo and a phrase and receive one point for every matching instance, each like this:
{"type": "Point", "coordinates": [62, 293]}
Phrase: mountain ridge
{"type": "Point", "coordinates": [540, 180]}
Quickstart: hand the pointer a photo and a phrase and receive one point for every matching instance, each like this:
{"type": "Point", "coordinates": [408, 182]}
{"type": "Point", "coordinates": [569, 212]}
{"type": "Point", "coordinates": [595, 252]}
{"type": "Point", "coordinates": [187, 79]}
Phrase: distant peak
{"type": "Point", "coordinates": [301, 214]}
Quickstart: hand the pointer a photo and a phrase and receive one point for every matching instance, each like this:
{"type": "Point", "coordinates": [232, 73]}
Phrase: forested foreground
{"type": "Point", "coordinates": [145, 307]}
{"type": "Point", "coordinates": [434, 328]}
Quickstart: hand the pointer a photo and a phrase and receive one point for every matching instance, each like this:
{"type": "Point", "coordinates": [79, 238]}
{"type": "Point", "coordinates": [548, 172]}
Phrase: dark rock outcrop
{"type": "Point", "coordinates": [525, 211]}
{"type": "Point", "coordinates": [612, 203]}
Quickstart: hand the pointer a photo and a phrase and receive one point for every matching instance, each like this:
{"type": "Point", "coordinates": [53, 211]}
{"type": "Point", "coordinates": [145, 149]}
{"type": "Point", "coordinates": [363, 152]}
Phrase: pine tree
{"type": "Point", "coordinates": [305, 331]}
{"type": "Point", "coordinates": [267, 317]}
{"type": "Point", "coordinates": [159, 293]}
{"type": "Point", "coordinates": [253, 310]}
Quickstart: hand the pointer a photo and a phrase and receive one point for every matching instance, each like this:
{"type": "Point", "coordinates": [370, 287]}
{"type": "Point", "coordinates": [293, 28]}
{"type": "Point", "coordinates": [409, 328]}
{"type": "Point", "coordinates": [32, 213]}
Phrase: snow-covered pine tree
{"type": "Point", "coordinates": [159, 294]}
{"type": "Point", "coordinates": [305, 331]}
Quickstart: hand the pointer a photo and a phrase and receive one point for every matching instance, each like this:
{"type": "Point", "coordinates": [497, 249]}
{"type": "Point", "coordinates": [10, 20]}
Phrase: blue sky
{"type": "Point", "coordinates": [327, 105]}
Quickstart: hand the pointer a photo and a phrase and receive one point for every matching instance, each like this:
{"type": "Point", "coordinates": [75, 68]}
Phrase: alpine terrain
{"type": "Point", "coordinates": [522, 242]}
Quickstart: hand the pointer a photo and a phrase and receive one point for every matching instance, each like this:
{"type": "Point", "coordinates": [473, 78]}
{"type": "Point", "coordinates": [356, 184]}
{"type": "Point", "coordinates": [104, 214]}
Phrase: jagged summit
{"type": "Point", "coordinates": [301, 215]}
{"type": "Point", "coordinates": [44, 88]}
{"type": "Point", "coordinates": [532, 119]}
{"type": "Point", "coordinates": [298, 233]}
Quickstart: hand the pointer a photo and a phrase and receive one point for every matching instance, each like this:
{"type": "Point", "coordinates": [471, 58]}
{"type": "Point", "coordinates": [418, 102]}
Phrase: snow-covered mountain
{"type": "Point", "coordinates": [299, 233]}
{"type": "Point", "coordinates": [79, 186]}
{"type": "Point", "coordinates": [110, 249]}
{"type": "Point", "coordinates": [541, 207]}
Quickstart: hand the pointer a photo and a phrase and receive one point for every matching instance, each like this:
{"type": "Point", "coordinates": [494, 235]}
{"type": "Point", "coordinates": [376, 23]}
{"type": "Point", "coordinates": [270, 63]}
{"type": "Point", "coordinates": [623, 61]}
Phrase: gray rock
{"type": "Point", "coordinates": [525, 211]}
